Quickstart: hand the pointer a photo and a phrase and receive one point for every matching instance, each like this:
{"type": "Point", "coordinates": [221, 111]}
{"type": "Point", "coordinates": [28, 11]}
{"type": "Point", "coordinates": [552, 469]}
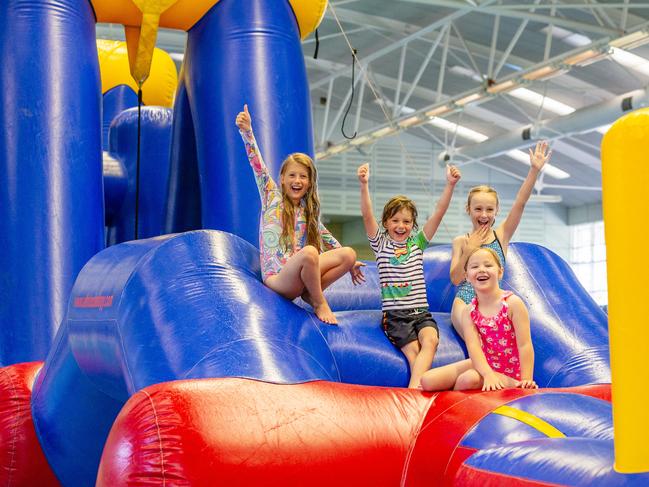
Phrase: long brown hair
{"type": "Point", "coordinates": [311, 207]}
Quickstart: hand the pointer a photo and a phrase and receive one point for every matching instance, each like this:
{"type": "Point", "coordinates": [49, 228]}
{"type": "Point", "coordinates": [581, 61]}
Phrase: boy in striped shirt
{"type": "Point", "coordinates": [400, 261]}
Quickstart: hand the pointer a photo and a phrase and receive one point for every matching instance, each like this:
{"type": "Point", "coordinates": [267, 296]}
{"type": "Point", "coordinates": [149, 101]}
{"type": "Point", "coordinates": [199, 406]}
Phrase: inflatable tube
{"type": "Point", "coordinates": [155, 146]}
{"type": "Point", "coordinates": [243, 432]}
{"type": "Point", "coordinates": [22, 463]}
{"type": "Point", "coordinates": [244, 52]}
{"type": "Point", "coordinates": [50, 166]}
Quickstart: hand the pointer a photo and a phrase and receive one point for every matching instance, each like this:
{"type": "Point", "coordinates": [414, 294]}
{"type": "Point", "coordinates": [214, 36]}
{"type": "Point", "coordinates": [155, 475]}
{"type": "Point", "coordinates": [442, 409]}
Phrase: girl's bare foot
{"type": "Point", "coordinates": [323, 311]}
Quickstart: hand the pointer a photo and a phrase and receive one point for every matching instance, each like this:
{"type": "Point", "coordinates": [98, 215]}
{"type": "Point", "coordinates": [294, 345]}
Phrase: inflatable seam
{"type": "Point", "coordinates": [14, 431]}
{"type": "Point", "coordinates": [157, 426]}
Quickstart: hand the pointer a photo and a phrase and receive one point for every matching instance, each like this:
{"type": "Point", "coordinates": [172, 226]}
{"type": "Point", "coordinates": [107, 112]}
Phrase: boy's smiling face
{"type": "Point", "coordinates": [400, 225]}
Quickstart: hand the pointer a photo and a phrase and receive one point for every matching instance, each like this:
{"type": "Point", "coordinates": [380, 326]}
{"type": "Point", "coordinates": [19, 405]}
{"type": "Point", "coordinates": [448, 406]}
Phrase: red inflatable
{"type": "Point", "coordinates": [243, 432]}
{"type": "Point", "coordinates": [22, 462]}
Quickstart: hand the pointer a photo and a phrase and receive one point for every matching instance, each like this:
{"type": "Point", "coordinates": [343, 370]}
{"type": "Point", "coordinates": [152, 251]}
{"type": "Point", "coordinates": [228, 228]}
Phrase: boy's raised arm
{"type": "Point", "coordinates": [371, 227]}
{"type": "Point", "coordinates": [453, 175]}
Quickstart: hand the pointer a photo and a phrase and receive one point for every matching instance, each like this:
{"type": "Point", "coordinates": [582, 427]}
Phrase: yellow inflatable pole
{"type": "Point", "coordinates": [625, 185]}
{"type": "Point", "coordinates": [141, 39]}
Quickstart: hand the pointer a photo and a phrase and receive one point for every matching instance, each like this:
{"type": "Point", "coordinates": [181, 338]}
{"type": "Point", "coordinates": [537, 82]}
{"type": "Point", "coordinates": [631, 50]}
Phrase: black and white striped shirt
{"type": "Point", "coordinates": [401, 270]}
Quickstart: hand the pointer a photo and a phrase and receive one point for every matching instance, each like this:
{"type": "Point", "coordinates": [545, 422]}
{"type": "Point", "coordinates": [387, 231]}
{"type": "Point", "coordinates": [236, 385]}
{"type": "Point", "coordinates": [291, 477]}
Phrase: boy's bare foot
{"type": "Point", "coordinates": [323, 311]}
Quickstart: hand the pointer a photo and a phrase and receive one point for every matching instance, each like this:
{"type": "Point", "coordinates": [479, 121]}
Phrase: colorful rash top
{"type": "Point", "coordinates": [401, 270]}
{"type": "Point", "coordinates": [273, 255]}
{"type": "Point", "coordinates": [498, 338]}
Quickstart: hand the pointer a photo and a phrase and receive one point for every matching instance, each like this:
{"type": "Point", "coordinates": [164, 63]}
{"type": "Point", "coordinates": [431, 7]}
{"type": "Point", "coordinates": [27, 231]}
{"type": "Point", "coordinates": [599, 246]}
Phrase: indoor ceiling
{"type": "Point", "coordinates": [471, 76]}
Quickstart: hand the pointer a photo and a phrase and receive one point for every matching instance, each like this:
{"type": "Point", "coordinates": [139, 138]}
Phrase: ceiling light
{"type": "Point", "coordinates": [361, 140]}
{"type": "Point", "coordinates": [545, 198]}
{"type": "Point", "coordinates": [468, 99]}
{"type": "Point", "coordinates": [409, 122]}
{"type": "Point", "coordinates": [630, 60]}
{"type": "Point", "coordinates": [502, 87]}
{"type": "Point", "coordinates": [466, 72]}
{"type": "Point", "coordinates": [384, 131]}
{"type": "Point", "coordinates": [585, 58]}
{"type": "Point", "coordinates": [465, 132]}
{"type": "Point", "coordinates": [539, 100]}
{"type": "Point", "coordinates": [544, 72]}
{"type": "Point", "coordinates": [631, 41]}
{"type": "Point", "coordinates": [548, 169]}
{"type": "Point", "coordinates": [320, 155]}
{"type": "Point", "coordinates": [567, 36]}
{"type": "Point", "coordinates": [437, 111]}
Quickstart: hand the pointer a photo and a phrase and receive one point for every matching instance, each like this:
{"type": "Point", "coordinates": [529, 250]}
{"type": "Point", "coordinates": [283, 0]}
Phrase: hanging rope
{"type": "Point", "coordinates": [351, 98]}
{"type": "Point", "coordinates": [137, 163]}
{"type": "Point", "coordinates": [317, 45]}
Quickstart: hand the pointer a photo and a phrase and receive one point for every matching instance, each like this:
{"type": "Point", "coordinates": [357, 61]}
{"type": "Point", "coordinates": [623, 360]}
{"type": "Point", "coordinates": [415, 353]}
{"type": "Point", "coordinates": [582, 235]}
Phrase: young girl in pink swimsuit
{"type": "Point", "coordinates": [496, 329]}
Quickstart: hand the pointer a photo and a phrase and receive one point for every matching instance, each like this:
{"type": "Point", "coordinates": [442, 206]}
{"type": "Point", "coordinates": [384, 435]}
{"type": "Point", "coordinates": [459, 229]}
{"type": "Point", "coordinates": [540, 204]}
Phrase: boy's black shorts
{"type": "Point", "coordinates": [402, 326]}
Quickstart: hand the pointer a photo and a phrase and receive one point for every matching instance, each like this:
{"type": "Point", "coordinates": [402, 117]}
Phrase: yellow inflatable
{"type": "Point", "coordinates": [625, 179]}
{"type": "Point", "coordinates": [159, 88]}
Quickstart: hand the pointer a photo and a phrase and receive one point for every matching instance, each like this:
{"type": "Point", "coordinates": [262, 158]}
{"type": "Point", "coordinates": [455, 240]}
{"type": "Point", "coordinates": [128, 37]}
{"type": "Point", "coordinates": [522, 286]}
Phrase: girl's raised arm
{"type": "Point", "coordinates": [264, 181]}
{"type": "Point", "coordinates": [538, 158]}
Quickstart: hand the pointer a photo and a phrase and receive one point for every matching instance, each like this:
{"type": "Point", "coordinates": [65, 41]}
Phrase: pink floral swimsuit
{"type": "Point", "coordinates": [498, 339]}
{"type": "Point", "coordinates": [273, 255]}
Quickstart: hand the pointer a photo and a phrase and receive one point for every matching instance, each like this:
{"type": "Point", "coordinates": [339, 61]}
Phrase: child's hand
{"type": "Point", "coordinates": [453, 175]}
{"type": "Point", "coordinates": [540, 156]}
{"type": "Point", "coordinates": [478, 237]}
{"type": "Point", "coordinates": [363, 173]}
{"type": "Point", "coordinates": [357, 273]}
{"type": "Point", "coordinates": [527, 384]}
{"type": "Point", "coordinates": [243, 120]}
{"type": "Point", "coordinates": [492, 382]}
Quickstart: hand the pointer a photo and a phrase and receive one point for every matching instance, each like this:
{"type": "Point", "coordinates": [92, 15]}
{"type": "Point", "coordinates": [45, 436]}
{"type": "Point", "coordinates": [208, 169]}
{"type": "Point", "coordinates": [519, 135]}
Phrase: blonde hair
{"type": "Point", "coordinates": [311, 207]}
{"type": "Point", "coordinates": [395, 205]}
{"type": "Point", "coordinates": [483, 188]}
{"type": "Point", "coordinates": [491, 251]}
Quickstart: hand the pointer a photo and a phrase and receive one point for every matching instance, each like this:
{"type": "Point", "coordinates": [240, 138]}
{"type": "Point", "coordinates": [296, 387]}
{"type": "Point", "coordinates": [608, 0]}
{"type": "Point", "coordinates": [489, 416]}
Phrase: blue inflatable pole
{"type": "Point", "coordinates": [245, 52]}
{"type": "Point", "coordinates": [51, 214]}
{"type": "Point", "coordinates": [155, 143]}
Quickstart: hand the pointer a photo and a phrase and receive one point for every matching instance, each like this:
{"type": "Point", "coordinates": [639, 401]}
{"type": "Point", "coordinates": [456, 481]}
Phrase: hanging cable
{"type": "Point", "coordinates": [351, 98]}
{"type": "Point", "coordinates": [317, 45]}
{"type": "Point", "coordinates": [137, 163]}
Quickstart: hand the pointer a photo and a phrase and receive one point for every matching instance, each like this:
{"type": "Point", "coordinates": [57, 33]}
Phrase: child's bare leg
{"type": "Point", "coordinates": [411, 350]}
{"type": "Point", "coordinates": [428, 341]}
{"type": "Point", "coordinates": [336, 263]}
{"type": "Point", "coordinates": [302, 271]}
{"type": "Point", "coordinates": [468, 380]}
{"type": "Point", "coordinates": [333, 265]}
{"type": "Point", "coordinates": [444, 378]}
{"type": "Point", "coordinates": [456, 315]}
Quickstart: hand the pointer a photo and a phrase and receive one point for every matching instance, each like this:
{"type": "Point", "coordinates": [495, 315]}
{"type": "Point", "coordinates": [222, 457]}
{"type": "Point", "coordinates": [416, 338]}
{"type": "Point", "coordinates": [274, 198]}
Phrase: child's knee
{"type": "Point", "coordinates": [310, 253]}
{"type": "Point", "coordinates": [429, 341]}
{"type": "Point", "coordinates": [467, 380]}
{"type": "Point", "coordinates": [349, 256]}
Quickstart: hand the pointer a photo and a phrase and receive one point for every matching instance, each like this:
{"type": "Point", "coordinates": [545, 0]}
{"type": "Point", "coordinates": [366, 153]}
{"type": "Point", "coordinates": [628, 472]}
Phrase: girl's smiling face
{"type": "Point", "coordinates": [483, 209]}
{"type": "Point", "coordinates": [483, 270]}
{"type": "Point", "coordinates": [400, 225]}
{"type": "Point", "coordinates": [295, 181]}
